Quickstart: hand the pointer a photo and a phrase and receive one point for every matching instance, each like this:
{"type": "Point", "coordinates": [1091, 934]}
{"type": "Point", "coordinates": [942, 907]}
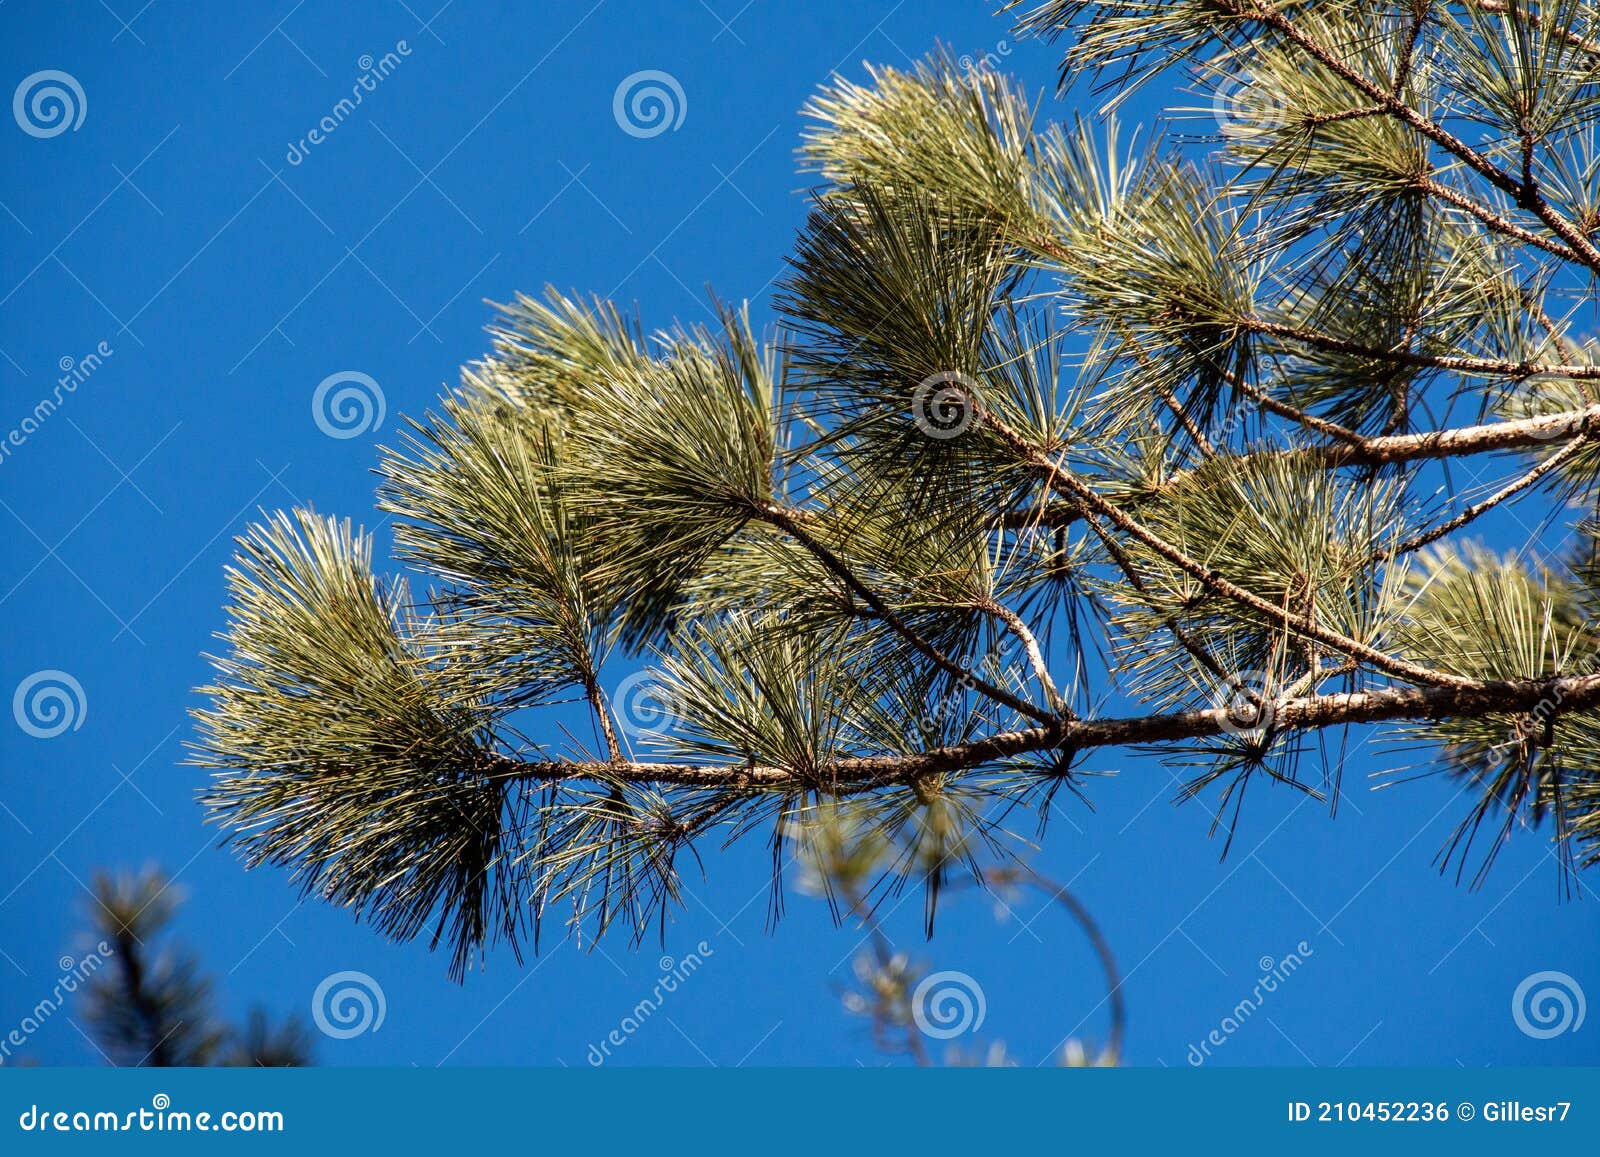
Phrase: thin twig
{"type": "Point", "coordinates": [1064, 896]}
{"type": "Point", "coordinates": [1417, 542]}
{"type": "Point", "coordinates": [780, 517]}
{"type": "Point", "coordinates": [1041, 671]}
{"type": "Point", "coordinates": [1218, 584]}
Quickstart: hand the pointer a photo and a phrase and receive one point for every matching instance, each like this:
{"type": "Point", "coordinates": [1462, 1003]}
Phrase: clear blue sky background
{"type": "Point", "coordinates": [229, 282]}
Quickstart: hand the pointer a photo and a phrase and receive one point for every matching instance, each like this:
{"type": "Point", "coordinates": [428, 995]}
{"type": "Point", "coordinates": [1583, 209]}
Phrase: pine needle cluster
{"type": "Point", "coordinates": [1068, 439]}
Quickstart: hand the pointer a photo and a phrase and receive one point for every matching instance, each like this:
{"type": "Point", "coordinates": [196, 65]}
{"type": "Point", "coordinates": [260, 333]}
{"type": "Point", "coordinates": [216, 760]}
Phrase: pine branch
{"type": "Point", "coordinates": [602, 715]}
{"type": "Point", "coordinates": [1115, 999]}
{"type": "Point", "coordinates": [1496, 221]}
{"type": "Point", "coordinates": [1524, 191]}
{"type": "Point", "coordinates": [1495, 367]}
{"type": "Point", "coordinates": [152, 1006]}
{"type": "Point", "coordinates": [1467, 699]}
{"type": "Point", "coordinates": [1070, 486]}
{"type": "Point", "coordinates": [1283, 410]}
{"type": "Point", "coordinates": [814, 536]}
{"type": "Point", "coordinates": [1574, 427]}
{"type": "Point", "coordinates": [1520, 13]}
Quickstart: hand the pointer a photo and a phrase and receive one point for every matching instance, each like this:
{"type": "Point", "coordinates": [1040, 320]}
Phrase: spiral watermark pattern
{"type": "Point", "coordinates": [347, 404]}
{"type": "Point", "coordinates": [645, 705]}
{"type": "Point", "coordinates": [48, 103]}
{"type": "Point", "coordinates": [1244, 108]}
{"type": "Point", "coordinates": [947, 1004]}
{"type": "Point", "coordinates": [347, 1004]}
{"type": "Point", "coordinates": [47, 703]}
{"type": "Point", "coordinates": [945, 405]}
{"type": "Point", "coordinates": [1248, 703]}
{"type": "Point", "coordinates": [1548, 1004]}
{"type": "Point", "coordinates": [648, 103]}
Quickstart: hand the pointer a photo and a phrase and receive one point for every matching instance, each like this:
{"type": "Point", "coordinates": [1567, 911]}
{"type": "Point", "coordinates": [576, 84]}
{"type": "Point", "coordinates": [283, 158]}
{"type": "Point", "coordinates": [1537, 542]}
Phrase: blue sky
{"type": "Point", "coordinates": [227, 280]}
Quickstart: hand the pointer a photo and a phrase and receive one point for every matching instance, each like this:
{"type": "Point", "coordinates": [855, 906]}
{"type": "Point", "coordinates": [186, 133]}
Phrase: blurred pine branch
{"type": "Point", "coordinates": [153, 1005]}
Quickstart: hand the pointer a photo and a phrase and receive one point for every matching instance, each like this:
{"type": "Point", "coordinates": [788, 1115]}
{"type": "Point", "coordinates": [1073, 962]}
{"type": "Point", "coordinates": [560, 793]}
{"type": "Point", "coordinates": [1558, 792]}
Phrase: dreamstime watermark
{"type": "Point", "coordinates": [1248, 702]}
{"type": "Point", "coordinates": [946, 1004]}
{"type": "Point", "coordinates": [48, 103]}
{"type": "Point", "coordinates": [673, 974]}
{"type": "Point", "coordinates": [1274, 972]}
{"type": "Point", "coordinates": [645, 705]}
{"type": "Point", "coordinates": [74, 372]}
{"type": "Point", "coordinates": [1529, 730]}
{"type": "Point", "coordinates": [1245, 109]}
{"type": "Point", "coordinates": [1548, 1004]}
{"type": "Point", "coordinates": [160, 1117]}
{"type": "Point", "coordinates": [990, 60]}
{"type": "Point", "coordinates": [347, 1004]}
{"type": "Point", "coordinates": [373, 73]}
{"type": "Point", "coordinates": [947, 706]}
{"type": "Point", "coordinates": [48, 702]}
{"type": "Point", "coordinates": [944, 405]}
{"type": "Point", "coordinates": [73, 974]}
{"type": "Point", "coordinates": [648, 103]}
{"type": "Point", "coordinates": [347, 404]}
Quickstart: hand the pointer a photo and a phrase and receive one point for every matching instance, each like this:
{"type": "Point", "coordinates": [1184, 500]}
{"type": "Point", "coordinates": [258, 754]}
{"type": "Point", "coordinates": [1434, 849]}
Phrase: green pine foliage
{"type": "Point", "coordinates": [1070, 437]}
